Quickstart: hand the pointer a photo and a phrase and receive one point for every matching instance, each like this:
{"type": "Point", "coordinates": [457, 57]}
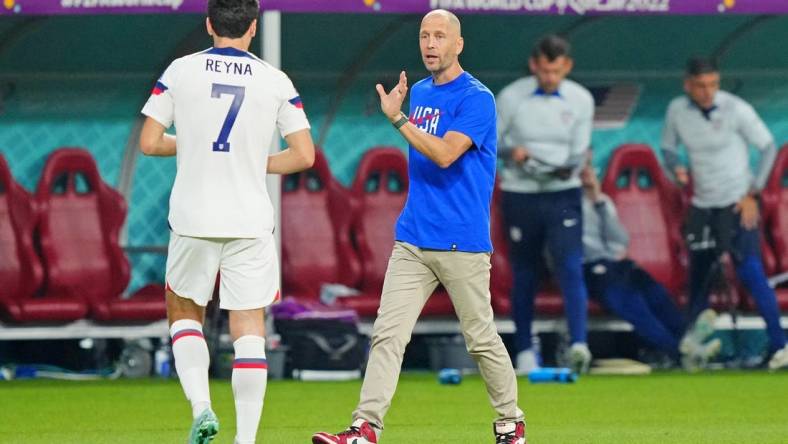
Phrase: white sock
{"type": "Point", "coordinates": [191, 362]}
{"type": "Point", "coordinates": [250, 374]}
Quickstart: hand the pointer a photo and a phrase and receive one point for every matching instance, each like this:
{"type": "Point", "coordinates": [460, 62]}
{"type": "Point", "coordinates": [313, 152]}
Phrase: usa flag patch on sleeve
{"type": "Point", "coordinates": [296, 101]}
{"type": "Point", "coordinates": [159, 88]}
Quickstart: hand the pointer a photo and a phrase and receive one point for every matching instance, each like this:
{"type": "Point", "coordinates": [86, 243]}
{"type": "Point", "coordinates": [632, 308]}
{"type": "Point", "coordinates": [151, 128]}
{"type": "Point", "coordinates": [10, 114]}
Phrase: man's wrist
{"type": "Point", "coordinates": [399, 120]}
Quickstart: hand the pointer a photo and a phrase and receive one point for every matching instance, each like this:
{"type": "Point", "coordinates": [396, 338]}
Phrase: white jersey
{"type": "Point", "coordinates": [226, 105]}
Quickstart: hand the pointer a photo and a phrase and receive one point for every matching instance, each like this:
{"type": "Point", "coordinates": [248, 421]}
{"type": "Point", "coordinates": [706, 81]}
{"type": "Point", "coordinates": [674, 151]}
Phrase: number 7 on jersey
{"type": "Point", "coordinates": [238, 93]}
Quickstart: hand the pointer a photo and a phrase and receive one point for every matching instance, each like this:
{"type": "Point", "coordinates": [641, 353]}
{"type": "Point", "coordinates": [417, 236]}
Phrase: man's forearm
{"type": "Point", "coordinates": [505, 145]}
{"type": "Point", "coordinates": [764, 166]}
{"type": "Point", "coordinates": [165, 146]}
{"type": "Point", "coordinates": [671, 157]}
{"type": "Point", "coordinates": [505, 152]}
{"type": "Point", "coordinates": [615, 229]}
{"type": "Point", "coordinates": [575, 163]}
{"type": "Point", "coordinates": [434, 148]}
{"type": "Point", "coordinates": [576, 160]}
{"type": "Point", "coordinates": [287, 161]}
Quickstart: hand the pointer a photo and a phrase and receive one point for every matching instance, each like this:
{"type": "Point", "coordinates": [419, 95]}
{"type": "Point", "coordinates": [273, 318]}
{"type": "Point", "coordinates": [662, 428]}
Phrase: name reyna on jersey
{"type": "Point", "coordinates": [220, 66]}
{"type": "Point", "coordinates": [426, 119]}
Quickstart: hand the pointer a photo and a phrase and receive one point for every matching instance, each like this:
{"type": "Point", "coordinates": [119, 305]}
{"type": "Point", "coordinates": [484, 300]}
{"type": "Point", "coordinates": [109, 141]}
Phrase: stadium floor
{"type": "Point", "coordinates": [720, 407]}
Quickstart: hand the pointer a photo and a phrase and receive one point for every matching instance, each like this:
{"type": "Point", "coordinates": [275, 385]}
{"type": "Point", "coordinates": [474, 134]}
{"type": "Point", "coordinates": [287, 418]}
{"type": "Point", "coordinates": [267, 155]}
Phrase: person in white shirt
{"type": "Point", "coordinates": [544, 132]}
{"type": "Point", "coordinates": [227, 106]}
{"type": "Point", "coordinates": [717, 129]}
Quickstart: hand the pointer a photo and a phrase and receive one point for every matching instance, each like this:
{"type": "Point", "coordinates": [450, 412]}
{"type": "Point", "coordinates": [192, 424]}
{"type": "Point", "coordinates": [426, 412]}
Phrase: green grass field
{"type": "Point", "coordinates": [723, 407]}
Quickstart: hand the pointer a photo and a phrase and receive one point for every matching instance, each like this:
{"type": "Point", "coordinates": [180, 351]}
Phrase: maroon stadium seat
{"type": "Point", "coordinates": [650, 207]}
{"type": "Point", "coordinates": [316, 247]}
{"type": "Point", "coordinates": [80, 219]}
{"type": "Point", "coordinates": [21, 273]}
{"type": "Point", "coordinates": [775, 217]}
{"type": "Point", "coordinates": [379, 192]}
{"type": "Point", "coordinates": [775, 208]}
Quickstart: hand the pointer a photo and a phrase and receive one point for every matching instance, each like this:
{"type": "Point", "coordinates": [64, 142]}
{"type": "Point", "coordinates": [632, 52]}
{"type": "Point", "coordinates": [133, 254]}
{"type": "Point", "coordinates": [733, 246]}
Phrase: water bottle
{"type": "Point", "coordinates": [161, 359]}
{"type": "Point", "coordinates": [552, 374]}
{"type": "Point", "coordinates": [449, 376]}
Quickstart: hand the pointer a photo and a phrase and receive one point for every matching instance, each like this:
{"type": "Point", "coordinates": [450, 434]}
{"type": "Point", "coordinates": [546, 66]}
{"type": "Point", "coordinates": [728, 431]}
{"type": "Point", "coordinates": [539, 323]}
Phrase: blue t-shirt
{"type": "Point", "coordinates": [449, 209]}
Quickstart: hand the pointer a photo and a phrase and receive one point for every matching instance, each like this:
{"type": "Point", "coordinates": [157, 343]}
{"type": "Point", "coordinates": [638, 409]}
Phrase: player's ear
{"type": "Point", "coordinates": [570, 63]}
{"type": "Point", "coordinates": [208, 26]}
{"type": "Point", "coordinates": [253, 28]}
{"type": "Point", "coordinates": [460, 45]}
{"type": "Point", "coordinates": [532, 65]}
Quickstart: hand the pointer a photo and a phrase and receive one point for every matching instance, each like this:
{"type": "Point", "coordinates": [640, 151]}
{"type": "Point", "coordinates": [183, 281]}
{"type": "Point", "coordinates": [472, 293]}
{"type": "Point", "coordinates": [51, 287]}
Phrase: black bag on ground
{"type": "Point", "coordinates": [322, 344]}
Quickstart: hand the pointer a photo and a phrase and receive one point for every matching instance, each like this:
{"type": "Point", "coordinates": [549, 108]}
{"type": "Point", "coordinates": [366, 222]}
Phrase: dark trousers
{"type": "Point", "coordinates": [712, 232]}
{"type": "Point", "coordinates": [554, 220]}
{"type": "Point", "coordinates": [629, 292]}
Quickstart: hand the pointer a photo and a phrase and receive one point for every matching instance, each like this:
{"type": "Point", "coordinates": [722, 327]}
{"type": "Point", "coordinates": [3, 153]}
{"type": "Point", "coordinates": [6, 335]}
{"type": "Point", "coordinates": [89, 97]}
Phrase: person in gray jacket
{"type": "Point", "coordinates": [717, 128]}
{"type": "Point", "coordinates": [544, 131]}
{"type": "Point", "coordinates": [628, 291]}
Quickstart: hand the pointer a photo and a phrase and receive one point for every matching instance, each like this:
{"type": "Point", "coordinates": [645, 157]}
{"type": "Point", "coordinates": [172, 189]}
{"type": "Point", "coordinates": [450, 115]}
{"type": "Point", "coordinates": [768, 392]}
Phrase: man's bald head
{"type": "Point", "coordinates": [453, 21]}
{"type": "Point", "coordinates": [441, 43]}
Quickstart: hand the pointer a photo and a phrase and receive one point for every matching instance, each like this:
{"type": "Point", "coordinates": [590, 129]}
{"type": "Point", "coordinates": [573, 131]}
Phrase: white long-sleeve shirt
{"type": "Point", "coordinates": [555, 128]}
{"type": "Point", "coordinates": [717, 143]}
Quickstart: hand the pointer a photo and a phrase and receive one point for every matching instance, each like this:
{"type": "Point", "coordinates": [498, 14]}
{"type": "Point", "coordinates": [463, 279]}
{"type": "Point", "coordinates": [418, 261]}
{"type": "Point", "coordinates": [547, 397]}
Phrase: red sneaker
{"type": "Point", "coordinates": [360, 432]}
{"type": "Point", "coordinates": [509, 432]}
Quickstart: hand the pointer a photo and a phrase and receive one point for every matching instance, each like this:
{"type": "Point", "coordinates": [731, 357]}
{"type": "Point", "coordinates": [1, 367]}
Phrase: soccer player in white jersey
{"type": "Point", "coordinates": [227, 105]}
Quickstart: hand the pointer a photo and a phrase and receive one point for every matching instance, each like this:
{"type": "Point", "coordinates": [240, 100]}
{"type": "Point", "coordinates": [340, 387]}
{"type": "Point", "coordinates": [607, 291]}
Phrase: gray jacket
{"type": "Point", "coordinates": [555, 128]}
{"type": "Point", "coordinates": [604, 237]}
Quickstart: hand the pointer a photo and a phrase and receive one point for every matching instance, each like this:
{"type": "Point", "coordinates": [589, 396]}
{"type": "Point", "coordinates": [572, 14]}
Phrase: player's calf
{"type": "Point", "coordinates": [249, 380]}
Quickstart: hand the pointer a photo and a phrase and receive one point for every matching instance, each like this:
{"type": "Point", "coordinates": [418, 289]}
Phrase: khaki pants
{"type": "Point", "coordinates": [411, 277]}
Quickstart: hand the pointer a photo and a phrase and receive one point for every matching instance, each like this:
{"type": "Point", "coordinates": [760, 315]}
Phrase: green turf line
{"type": "Point", "coordinates": [716, 408]}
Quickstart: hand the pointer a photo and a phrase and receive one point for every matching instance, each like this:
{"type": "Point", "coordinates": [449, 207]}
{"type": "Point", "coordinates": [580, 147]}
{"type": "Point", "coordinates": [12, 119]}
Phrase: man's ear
{"type": "Point", "coordinates": [253, 28]}
{"type": "Point", "coordinates": [532, 65]}
{"type": "Point", "coordinates": [570, 64]}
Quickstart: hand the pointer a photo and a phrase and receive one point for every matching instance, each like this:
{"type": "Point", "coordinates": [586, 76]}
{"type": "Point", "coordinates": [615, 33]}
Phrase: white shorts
{"type": "Point", "coordinates": [249, 270]}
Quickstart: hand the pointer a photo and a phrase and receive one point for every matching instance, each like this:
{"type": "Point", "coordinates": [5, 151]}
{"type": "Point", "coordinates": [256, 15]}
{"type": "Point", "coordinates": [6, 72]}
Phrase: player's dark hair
{"type": "Point", "coordinates": [701, 65]}
{"type": "Point", "coordinates": [551, 46]}
{"type": "Point", "coordinates": [232, 18]}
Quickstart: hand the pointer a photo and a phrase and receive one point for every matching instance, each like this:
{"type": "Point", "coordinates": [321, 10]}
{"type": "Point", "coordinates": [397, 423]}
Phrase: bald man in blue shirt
{"type": "Point", "coordinates": [442, 235]}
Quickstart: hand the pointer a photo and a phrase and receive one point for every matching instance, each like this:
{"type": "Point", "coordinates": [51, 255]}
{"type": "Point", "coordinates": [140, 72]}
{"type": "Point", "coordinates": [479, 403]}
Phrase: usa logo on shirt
{"type": "Point", "coordinates": [426, 119]}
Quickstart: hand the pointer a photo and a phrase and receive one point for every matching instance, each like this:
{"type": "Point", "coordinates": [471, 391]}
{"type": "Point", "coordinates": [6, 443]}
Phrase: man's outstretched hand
{"type": "Point", "coordinates": [391, 103]}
